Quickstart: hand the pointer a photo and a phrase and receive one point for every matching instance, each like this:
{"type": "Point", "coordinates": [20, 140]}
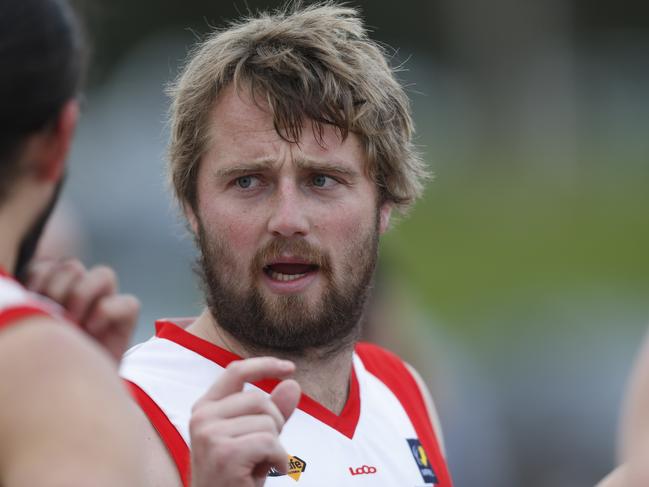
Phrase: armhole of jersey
{"type": "Point", "coordinates": [392, 372]}
{"type": "Point", "coordinates": [175, 443]}
{"type": "Point", "coordinates": [10, 315]}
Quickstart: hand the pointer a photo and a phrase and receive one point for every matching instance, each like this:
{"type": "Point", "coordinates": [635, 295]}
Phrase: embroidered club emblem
{"type": "Point", "coordinates": [423, 463]}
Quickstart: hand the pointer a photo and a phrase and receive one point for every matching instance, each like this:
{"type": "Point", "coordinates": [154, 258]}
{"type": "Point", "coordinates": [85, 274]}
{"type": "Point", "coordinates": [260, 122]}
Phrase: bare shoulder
{"type": "Point", "coordinates": [64, 418]}
{"type": "Point", "coordinates": [430, 405]}
{"type": "Point", "coordinates": [39, 352]}
{"type": "Point", "coordinates": [159, 467]}
{"type": "Point", "coordinates": [617, 478]}
{"type": "Point", "coordinates": [634, 427]}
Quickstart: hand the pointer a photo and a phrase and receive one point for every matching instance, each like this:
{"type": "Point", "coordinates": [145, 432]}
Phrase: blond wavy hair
{"type": "Point", "coordinates": [312, 63]}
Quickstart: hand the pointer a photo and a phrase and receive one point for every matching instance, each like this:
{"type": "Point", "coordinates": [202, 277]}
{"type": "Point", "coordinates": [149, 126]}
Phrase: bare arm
{"type": "Point", "coordinates": [160, 469]}
{"type": "Point", "coordinates": [635, 415]}
{"type": "Point", "coordinates": [65, 417]}
{"type": "Point", "coordinates": [634, 429]}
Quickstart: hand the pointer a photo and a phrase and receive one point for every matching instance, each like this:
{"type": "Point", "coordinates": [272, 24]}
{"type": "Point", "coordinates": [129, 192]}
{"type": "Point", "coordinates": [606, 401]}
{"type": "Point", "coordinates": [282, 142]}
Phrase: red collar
{"type": "Point", "coordinates": [345, 423]}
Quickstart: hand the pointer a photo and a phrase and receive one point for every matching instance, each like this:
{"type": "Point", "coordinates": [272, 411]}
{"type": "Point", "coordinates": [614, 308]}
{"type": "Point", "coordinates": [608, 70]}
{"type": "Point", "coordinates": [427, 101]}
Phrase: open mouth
{"type": "Point", "coordinates": [284, 271]}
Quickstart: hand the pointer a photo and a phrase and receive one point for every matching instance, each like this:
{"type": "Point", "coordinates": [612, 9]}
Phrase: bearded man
{"type": "Point", "coordinates": [291, 146]}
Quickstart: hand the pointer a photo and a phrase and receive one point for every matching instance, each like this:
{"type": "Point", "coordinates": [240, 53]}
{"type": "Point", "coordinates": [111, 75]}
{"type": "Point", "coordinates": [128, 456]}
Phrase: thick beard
{"type": "Point", "coordinates": [29, 243]}
{"type": "Point", "coordinates": [288, 325]}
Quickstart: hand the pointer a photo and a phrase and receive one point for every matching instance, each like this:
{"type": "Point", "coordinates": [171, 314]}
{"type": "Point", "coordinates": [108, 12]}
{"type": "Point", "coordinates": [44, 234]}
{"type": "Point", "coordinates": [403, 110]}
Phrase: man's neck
{"type": "Point", "coordinates": [9, 241]}
{"type": "Point", "coordinates": [17, 215]}
{"type": "Point", "coordinates": [322, 377]}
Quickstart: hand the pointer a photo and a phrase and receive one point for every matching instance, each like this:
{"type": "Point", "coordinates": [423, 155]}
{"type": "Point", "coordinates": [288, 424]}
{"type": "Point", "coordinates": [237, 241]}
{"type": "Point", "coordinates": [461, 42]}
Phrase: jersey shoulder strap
{"type": "Point", "coordinates": [16, 303]}
{"type": "Point", "coordinates": [392, 371]}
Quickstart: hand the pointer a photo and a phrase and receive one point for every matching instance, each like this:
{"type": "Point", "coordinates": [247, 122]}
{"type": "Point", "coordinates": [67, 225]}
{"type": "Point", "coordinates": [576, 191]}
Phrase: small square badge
{"type": "Point", "coordinates": [423, 462]}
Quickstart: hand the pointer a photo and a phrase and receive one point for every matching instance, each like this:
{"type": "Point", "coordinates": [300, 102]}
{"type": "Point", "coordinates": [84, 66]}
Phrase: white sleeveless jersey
{"type": "Point", "coordinates": [383, 436]}
{"type": "Point", "coordinates": [16, 303]}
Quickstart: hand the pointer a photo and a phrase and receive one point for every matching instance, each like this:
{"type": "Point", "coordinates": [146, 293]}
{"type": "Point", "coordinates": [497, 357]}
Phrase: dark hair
{"type": "Point", "coordinates": [42, 65]}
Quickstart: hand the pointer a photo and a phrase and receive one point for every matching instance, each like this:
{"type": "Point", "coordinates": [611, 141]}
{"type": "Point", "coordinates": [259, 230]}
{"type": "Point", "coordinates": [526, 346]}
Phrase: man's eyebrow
{"type": "Point", "coordinates": [326, 167]}
{"type": "Point", "coordinates": [244, 168]}
{"type": "Point", "coordinates": [302, 164]}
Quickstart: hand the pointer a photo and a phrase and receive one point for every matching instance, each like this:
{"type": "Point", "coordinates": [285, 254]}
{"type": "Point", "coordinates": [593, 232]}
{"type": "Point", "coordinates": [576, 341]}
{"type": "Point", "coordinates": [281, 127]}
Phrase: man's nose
{"type": "Point", "coordinates": [288, 216]}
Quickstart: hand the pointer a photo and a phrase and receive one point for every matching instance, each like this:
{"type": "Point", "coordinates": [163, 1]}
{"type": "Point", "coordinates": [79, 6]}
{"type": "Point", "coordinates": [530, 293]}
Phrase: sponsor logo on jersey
{"type": "Point", "coordinates": [295, 468]}
{"type": "Point", "coordinates": [364, 470]}
{"type": "Point", "coordinates": [425, 468]}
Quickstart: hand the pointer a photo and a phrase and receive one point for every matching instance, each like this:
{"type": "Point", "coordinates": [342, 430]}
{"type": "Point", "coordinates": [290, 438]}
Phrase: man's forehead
{"type": "Point", "coordinates": [241, 129]}
{"type": "Point", "coordinates": [235, 110]}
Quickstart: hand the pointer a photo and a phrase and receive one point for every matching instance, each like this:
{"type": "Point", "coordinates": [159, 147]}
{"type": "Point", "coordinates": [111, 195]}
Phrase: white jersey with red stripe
{"type": "Point", "coordinates": [17, 303]}
{"type": "Point", "coordinates": [383, 436]}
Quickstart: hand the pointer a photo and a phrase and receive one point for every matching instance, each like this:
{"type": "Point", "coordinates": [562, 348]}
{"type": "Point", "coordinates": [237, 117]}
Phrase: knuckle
{"type": "Point", "coordinates": [269, 424]}
{"type": "Point", "coordinates": [235, 368]}
{"type": "Point", "coordinates": [40, 267]}
{"type": "Point", "coordinates": [235, 365]}
{"type": "Point", "coordinates": [77, 294]}
{"type": "Point", "coordinates": [196, 408]}
{"type": "Point", "coordinates": [257, 396]}
{"type": "Point", "coordinates": [199, 416]}
{"type": "Point", "coordinates": [266, 439]}
{"type": "Point", "coordinates": [106, 273]}
{"type": "Point", "coordinates": [258, 400]}
{"type": "Point", "coordinates": [200, 429]}
{"type": "Point", "coordinates": [132, 303]}
{"type": "Point", "coordinates": [74, 265]}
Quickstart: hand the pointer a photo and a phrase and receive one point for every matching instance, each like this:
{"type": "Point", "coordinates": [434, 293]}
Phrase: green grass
{"type": "Point", "coordinates": [480, 245]}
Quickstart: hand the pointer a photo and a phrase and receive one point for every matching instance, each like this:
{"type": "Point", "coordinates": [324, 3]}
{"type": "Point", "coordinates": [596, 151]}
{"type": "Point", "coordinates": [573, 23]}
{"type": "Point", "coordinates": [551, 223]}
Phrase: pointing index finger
{"type": "Point", "coordinates": [248, 370]}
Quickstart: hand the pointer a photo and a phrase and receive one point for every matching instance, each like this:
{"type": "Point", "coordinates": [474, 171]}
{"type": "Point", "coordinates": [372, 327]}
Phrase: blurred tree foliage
{"type": "Point", "coordinates": [117, 25]}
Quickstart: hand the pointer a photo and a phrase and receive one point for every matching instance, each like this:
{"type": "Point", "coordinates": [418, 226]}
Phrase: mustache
{"type": "Point", "coordinates": [298, 248]}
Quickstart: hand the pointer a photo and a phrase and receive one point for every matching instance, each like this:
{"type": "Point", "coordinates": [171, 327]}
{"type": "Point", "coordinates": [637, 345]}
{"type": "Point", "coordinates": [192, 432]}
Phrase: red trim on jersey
{"type": "Point", "coordinates": [11, 315]}
{"type": "Point", "coordinates": [391, 370]}
{"type": "Point", "coordinates": [11, 277]}
{"type": "Point", "coordinates": [177, 447]}
{"type": "Point", "coordinates": [345, 423]}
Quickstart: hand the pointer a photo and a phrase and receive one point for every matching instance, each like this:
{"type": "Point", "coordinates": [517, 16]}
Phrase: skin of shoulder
{"type": "Point", "coordinates": [635, 416]}
{"type": "Point", "coordinates": [159, 467]}
{"type": "Point", "coordinates": [430, 405]}
{"type": "Point", "coordinates": [617, 478]}
{"type": "Point", "coordinates": [65, 418]}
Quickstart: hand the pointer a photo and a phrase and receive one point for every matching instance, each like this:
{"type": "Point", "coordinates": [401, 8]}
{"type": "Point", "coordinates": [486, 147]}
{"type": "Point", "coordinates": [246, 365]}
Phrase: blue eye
{"type": "Point", "coordinates": [244, 182]}
{"type": "Point", "coordinates": [320, 181]}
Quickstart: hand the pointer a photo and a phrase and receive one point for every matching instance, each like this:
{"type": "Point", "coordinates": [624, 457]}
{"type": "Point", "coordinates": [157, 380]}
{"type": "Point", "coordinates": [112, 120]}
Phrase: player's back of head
{"type": "Point", "coordinates": [42, 61]}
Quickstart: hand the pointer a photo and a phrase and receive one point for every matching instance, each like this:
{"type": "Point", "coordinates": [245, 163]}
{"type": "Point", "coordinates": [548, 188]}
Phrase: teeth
{"type": "Point", "coordinates": [278, 276]}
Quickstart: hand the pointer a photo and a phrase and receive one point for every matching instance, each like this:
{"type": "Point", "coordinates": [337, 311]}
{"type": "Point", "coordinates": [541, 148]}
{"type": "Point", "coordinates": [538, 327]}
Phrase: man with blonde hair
{"type": "Point", "coordinates": [291, 145]}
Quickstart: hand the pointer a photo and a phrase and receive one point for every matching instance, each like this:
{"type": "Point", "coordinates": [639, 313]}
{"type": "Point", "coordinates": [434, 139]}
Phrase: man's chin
{"type": "Point", "coordinates": [305, 303]}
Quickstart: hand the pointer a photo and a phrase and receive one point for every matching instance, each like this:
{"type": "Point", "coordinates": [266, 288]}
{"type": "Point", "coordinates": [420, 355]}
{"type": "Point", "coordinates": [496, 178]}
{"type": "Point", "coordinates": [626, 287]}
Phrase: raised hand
{"type": "Point", "coordinates": [90, 298]}
{"type": "Point", "coordinates": [235, 433]}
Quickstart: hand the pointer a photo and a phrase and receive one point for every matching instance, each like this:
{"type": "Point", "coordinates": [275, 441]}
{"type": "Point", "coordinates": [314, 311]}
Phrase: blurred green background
{"type": "Point", "coordinates": [520, 281]}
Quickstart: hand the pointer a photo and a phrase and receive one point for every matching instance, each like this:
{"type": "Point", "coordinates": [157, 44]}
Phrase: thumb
{"type": "Point", "coordinates": [286, 396]}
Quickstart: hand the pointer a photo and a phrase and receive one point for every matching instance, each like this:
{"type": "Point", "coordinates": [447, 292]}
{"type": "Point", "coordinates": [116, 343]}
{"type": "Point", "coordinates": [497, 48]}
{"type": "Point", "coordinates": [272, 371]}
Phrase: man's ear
{"type": "Point", "coordinates": [55, 143]}
{"type": "Point", "coordinates": [191, 217]}
{"type": "Point", "coordinates": [385, 212]}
